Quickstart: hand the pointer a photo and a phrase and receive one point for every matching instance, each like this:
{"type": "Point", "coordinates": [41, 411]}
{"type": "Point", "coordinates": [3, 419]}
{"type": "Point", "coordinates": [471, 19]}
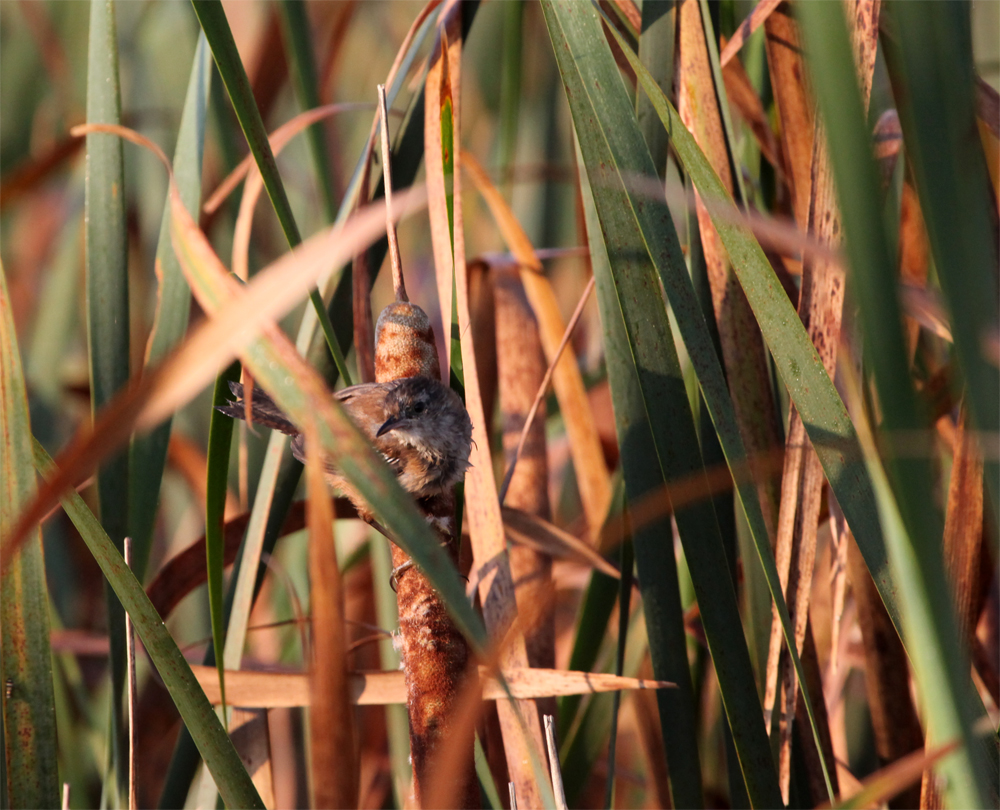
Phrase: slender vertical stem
{"type": "Point", "coordinates": [130, 685]}
{"type": "Point", "coordinates": [390, 226]}
{"type": "Point", "coordinates": [550, 745]}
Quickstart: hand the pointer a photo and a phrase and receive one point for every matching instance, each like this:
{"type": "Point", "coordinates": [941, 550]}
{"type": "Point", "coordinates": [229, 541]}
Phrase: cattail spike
{"type": "Point", "coordinates": [404, 344]}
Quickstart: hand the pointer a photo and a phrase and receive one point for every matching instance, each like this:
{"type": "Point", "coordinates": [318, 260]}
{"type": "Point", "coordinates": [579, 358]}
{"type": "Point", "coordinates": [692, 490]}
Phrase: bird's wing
{"type": "Point", "coordinates": [264, 410]}
{"type": "Point", "coordinates": [365, 403]}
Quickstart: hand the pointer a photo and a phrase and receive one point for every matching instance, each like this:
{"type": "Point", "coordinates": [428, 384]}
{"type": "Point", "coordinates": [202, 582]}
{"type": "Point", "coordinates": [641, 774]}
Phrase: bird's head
{"type": "Point", "coordinates": [427, 415]}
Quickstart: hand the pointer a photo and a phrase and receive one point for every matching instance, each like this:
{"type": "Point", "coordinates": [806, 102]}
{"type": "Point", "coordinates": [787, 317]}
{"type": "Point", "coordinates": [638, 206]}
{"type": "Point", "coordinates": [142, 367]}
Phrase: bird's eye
{"type": "Point", "coordinates": [419, 407]}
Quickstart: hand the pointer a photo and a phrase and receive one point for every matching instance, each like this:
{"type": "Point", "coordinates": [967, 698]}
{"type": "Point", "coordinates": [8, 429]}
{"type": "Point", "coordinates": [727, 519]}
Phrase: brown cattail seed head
{"type": "Point", "coordinates": [404, 344]}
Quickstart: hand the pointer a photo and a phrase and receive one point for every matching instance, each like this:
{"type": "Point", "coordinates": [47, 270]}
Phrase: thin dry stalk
{"type": "Point", "coordinates": [398, 286]}
{"type": "Point", "coordinates": [361, 304]}
{"type": "Point", "coordinates": [554, 771]}
{"type": "Point", "coordinates": [131, 691]}
{"type": "Point", "coordinates": [364, 331]}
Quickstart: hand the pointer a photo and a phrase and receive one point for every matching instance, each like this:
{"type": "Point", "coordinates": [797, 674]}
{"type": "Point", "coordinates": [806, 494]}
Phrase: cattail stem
{"type": "Point", "coordinates": [390, 226]}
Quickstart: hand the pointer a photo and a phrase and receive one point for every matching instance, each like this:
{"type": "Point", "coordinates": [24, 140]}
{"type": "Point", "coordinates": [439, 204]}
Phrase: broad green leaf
{"type": "Point", "coordinates": [657, 567]}
{"type": "Point", "coordinates": [298, 45]}
{"type": "Point", "coordinates": [29, 719]}
{"type": "Point", "coordinates": [213, 21]}
{"type": "Point", "coordinates": [220, 435]}
{"type": "Point", "coordinates": [510, 90]}
{"type": "Point", "coordinates": [149, 452]}
{"type": "Point", "coordinates": [656, 50]}
{"type": "Point", "coordinates": [108, 310]}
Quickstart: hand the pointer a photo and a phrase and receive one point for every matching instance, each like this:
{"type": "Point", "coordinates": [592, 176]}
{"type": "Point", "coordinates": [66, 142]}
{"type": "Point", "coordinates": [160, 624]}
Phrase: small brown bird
{"type": "Point", "coordinates": [418, 424]}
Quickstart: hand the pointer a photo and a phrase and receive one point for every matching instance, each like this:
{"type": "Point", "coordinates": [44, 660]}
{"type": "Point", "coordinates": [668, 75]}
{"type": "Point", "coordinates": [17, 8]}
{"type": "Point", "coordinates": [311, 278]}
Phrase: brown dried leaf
{"type": "Point", "coordinates": [331, 722]}
{"type": "Point", "coordinates": [279, 689]}
{"type": "Point", "coordinates": [795, 111]}
{"type": "Point", "coordinates": [744, 98]}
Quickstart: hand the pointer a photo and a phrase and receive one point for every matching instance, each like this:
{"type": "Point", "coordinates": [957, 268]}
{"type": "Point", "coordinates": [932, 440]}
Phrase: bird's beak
{"type": "Point", "coordinates": [390, 424]}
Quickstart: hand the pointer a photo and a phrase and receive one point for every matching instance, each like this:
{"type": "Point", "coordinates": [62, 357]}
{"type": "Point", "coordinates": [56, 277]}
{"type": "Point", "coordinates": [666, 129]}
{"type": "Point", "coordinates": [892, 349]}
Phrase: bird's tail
{"type": "Point", "coordinates": [263, 410]}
